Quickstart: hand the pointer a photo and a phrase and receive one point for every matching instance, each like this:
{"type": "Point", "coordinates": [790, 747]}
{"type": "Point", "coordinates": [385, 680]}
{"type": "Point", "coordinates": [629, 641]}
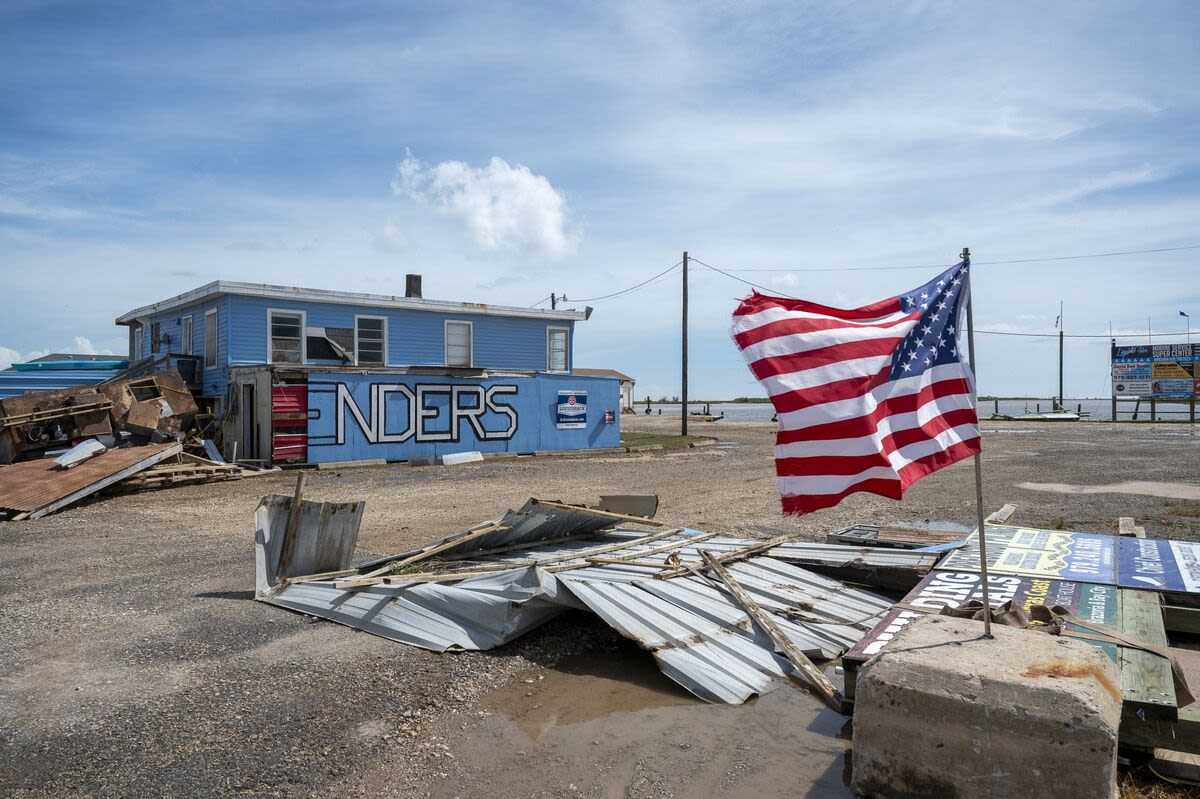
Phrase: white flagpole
{"type": "Point", "coordinates": [983, 566]}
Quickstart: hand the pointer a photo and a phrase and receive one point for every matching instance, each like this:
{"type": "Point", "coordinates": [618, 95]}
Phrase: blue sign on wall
{"type": "Point", "coordinates": [399, 416]}
{"type": "Point", "coordinates": [572, 410]}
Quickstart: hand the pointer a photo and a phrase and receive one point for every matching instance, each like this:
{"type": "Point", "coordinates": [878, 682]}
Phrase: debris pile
{"type": "Point", "coordinates": [127, 433]}
{"type": "Point", "coordinates": [724, 617]}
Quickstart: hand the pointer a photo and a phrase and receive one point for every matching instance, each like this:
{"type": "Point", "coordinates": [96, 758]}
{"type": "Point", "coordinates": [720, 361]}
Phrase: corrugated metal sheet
{"type": "Point", "coordinates": [698, 633]}
{"type": "Point", "coordinates": [14, 383]}
{"type": "Point", "coordinates": [32, 485]}
{"type": "Point", "coordinates": [326, 534]}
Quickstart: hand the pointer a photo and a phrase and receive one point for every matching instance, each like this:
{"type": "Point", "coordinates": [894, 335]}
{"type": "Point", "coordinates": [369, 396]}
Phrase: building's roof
{"type": "Point", "coordinates": [70, 356]}
{"type": "Point", "coordinates": [624, 378]}
{"type": "Point", "coordinates": [226, 287]}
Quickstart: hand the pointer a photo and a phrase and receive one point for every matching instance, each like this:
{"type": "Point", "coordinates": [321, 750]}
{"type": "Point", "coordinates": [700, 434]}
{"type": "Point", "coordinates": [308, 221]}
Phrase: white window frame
{"type": "Point", "coordinates": [383, 319]}
{"type": "Point", "coordinates": [303, 333]}
{"type": "Point", "coordinates": [139, 340]}
{"type": "Point", "coordinates": [210, 323]}
{"type": "Point", "coordinates": [470, 343]}
{"type": "Point", "coordinates": [567, 349]}
{"type": "Point", "coordinates": [186, 324]}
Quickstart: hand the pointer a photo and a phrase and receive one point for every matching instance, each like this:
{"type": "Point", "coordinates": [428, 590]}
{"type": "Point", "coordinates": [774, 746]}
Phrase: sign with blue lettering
{"type": "Point", "coordinates": [1040, 553]}
{"type": "Point", "coordinates": [395, 416]}
{"type": "Point", "coordinates": [572, 410]}
{"type": "Point", "coordinates": [1158, 565]}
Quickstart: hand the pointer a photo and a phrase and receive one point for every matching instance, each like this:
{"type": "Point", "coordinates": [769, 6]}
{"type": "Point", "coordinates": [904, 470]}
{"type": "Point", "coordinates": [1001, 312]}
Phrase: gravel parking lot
{"type": "Point", "coordinates": [135, 663]}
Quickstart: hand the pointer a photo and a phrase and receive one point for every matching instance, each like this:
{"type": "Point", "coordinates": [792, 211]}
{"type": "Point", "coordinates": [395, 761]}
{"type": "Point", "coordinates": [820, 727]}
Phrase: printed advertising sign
{"type": "Point", "coordinates": [1157, 565]}
{"type": "Point", "coordinates": [940, 589]}
{"type": "Point", "coordinates": [572, 410]}
{"type": "Point", "coordinates": [1159, 370]}
{"type": "Point", "coordinates": [1041, 553]}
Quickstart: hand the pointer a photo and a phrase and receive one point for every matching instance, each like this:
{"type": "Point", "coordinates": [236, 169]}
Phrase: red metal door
{"type": "Point", "coordinates": [289, 423]}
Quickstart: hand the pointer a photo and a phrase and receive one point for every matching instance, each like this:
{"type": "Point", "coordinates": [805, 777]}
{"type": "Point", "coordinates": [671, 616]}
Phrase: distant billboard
{"type": "Point", "coordinates": [1156, 371]}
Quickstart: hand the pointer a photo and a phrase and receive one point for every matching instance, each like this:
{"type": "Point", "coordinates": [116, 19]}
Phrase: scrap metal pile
{"type": "Point", "coordinates": [686, 596]}
{"type": "Point", "coordinates": [124, 434]}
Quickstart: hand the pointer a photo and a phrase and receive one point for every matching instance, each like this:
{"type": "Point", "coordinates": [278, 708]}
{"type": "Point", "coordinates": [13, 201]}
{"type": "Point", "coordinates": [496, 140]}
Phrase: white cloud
{"type": "Point", "coordinates": [81, 345]}
{"type": "Point", "coordinates": [392, 238]}
{"type": "Point", "coordinates": [503, 207]}
{"type": "Point", "coordinates": [1121, 179]}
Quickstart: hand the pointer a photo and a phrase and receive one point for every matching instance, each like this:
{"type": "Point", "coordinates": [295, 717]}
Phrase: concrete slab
{"type": "Point", "coordinates": [943, 712]}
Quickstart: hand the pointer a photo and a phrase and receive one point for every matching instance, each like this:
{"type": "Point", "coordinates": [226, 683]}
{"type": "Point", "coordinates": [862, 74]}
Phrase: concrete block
{"type": "Point", "coordinates": [943, 712]}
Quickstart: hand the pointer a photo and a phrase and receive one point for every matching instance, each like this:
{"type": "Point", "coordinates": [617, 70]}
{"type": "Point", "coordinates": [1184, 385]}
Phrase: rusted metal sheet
{"type": "Point", "coordinates": [39, 487]}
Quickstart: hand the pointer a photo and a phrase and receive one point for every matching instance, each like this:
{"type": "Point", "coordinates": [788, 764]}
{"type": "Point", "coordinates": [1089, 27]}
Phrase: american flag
{"type": "Point", "coordinates": [868, 399]}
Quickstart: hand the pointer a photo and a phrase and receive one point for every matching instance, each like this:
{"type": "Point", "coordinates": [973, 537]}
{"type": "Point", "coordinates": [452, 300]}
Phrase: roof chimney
{"type": "Point", "coordinates": [412, 286]}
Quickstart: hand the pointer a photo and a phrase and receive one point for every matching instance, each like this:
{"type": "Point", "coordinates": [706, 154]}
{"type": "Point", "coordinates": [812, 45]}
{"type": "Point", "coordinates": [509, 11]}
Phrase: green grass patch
{"type": "Point", "coordinates": [633, 439]}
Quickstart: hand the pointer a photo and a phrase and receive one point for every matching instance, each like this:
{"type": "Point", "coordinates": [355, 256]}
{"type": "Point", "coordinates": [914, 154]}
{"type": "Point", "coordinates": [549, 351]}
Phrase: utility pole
{"type": "Point", "coordinates": [553, 301]}
{"type": "Point", "coordinates": [683, 410]}
{"type": "Point", "coordinates": [1060, 355]}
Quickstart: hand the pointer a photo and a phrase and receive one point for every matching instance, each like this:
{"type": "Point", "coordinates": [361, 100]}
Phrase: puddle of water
{"type": "Point", "coordinates": [1142, 488]}
{"type": "Point", "coordinates": [608, 724]}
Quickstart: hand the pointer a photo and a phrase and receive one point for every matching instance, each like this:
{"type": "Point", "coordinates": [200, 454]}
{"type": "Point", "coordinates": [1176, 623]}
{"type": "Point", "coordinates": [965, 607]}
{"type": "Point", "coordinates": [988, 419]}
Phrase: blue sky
{"type": "Point", "coordinates": [507, 151]}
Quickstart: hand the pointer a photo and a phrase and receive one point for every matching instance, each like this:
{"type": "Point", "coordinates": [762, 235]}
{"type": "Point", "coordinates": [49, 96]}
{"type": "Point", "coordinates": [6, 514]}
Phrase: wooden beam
{"type": "Point", "coordinates": [815, 678]}
{"type": "Point", "coordinates": [452, 576]}
{"type": "Point", "coordinates": [1002, 515]}
{"type": "Point", "coordinates": [621, 517]}
{"type": "Point", "coordinates": [1146, 680]}
{"type": "Point", "coordinates": [293, 524]}
{"type": "Point", "coordinates": [736, 554]}
{"type": "Point", "coordinates": [1178, 619]}
{"type": "Point", "coordinates": [424, 554]}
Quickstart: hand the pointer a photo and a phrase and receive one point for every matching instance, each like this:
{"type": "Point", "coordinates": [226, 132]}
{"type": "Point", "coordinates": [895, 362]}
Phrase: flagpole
{"type": "Point", "coordinates": [983, 572]}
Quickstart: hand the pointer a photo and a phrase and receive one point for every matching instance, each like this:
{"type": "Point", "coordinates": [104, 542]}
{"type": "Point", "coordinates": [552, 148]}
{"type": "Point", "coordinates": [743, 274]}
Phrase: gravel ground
{"type": "Point", "coordinates": [133, 661]}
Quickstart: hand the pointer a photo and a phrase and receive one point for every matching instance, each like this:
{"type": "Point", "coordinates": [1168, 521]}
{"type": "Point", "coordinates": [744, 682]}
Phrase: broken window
{"type": "Point", "coordinates": [154, 333]}
{"type": "Point", "coordinates": [458, 343]}
{"type": "Point", "coordinates": [329, 344]}
{"type": "Point", "coordinates": [210, 338]}
{"type": "Point", "coordinates": [557, 342]}
{"type": "Point", "coordinates": [370, 333]}
{"type": "Point", "coordinates": [286, 341]}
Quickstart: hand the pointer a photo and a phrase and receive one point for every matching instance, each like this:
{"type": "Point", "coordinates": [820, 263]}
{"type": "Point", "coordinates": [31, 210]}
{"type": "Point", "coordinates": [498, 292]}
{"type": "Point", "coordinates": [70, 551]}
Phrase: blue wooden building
{"type": "Point", "coordinates": [306, 375]}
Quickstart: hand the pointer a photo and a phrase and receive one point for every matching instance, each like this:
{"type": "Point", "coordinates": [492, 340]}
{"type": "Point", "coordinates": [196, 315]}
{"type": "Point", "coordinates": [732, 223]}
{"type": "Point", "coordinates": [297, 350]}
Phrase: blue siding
{"type": "Point", "coordinates": [414, 337]}
{"type": "Point", "coordinates": [216, 378]}
{"type": "Point", "coordinates": [15, 383]}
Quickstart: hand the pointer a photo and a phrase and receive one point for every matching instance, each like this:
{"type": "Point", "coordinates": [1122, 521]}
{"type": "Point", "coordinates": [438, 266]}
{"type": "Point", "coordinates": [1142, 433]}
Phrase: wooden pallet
{"type": "Point", "coordinates": [169, 475]}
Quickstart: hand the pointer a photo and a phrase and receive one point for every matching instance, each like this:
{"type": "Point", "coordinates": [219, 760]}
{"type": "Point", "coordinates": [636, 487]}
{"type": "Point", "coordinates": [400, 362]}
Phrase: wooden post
{"type": "Point", "coordinates": [683, 410]}
{"type": "Point", "coordinates": [816, 679]}
{"type": "Point", "coordinates": [1153, 410]}
{"type": "Point", "coordinates": [1114, 408]}
{"type": "Point", "coordinates": [1060, 356]}
{"type": "Point", "coordinates": [293, 525]}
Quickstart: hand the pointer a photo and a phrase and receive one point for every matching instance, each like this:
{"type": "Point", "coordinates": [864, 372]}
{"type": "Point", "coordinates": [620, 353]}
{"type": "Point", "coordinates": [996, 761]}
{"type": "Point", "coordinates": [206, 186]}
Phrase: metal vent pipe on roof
{"type": "Point", "coordinates": [412, 286]}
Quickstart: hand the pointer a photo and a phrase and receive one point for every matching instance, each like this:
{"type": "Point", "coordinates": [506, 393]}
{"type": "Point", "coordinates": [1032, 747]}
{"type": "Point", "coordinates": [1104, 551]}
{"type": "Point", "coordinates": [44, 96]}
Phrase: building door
{"type": "Point", "coordinates": [249, 428]}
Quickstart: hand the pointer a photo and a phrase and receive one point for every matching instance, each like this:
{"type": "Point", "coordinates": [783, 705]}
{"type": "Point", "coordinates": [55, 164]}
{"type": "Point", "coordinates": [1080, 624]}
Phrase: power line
{"type": "Point", "coordinates": [973, 262]}
{"type": "Point", "coordinates": [631, 288]}
{"type": "Point", "coordinates": [1086, 335]}
{"type": "Point", "coordinates": [747, 282]}
{"type": "Point", "coordinates": [543, 299]}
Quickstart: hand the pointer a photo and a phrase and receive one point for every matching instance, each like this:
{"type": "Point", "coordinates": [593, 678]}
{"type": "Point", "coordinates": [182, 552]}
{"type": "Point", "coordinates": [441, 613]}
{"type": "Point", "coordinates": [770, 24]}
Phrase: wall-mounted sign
{"type": "Point", "coordinates": [1040, 553]}
{"type": "Point", "coordinates": [572, 410]}
{"type": "Point", "coordinates": [1158, 565]}
{"type": "Point", "coordinates": [940, 589]}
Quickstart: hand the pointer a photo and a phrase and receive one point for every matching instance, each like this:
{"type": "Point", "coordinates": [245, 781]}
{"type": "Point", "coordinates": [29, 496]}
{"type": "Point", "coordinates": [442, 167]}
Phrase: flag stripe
{"type": "Point", "coordinates": [783, 324]}
{"type": "Point", "coordinates": [820, 356]}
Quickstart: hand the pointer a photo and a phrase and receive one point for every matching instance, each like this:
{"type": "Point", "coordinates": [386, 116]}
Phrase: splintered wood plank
{"type": "Point", "coordinates": [814, 678]}
{"type": "Point", "coordinates": [1145, 677]}
{"type": "Point", "coordinates": [1002, 515]}
{"type": "Point", "coordinates": [1125, 526]}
